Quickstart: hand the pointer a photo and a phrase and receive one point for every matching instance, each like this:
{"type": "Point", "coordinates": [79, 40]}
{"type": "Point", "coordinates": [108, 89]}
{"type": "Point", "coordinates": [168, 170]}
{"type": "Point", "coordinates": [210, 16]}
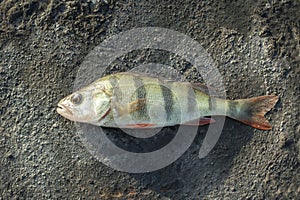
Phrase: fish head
{"type": "Point", "coordinates": [87, 105]}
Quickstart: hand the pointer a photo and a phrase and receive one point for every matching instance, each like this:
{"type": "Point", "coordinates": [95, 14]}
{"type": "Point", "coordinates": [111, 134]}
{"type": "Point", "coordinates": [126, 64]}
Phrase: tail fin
{"type": "Point", "coordinates": [251, 111]}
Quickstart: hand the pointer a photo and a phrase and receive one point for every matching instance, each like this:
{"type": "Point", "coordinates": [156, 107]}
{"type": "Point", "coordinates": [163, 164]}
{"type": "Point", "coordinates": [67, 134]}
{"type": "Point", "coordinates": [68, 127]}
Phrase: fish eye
{"type": "Point", "coordinates": [76, 98]}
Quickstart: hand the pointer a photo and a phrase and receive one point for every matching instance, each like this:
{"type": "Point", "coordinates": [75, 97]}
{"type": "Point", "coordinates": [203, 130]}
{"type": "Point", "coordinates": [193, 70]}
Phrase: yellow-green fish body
{"type": "Point", "coordinates": [133, 100]}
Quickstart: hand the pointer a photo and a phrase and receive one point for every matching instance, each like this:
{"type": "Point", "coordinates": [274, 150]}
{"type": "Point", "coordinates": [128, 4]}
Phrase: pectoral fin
{"type": "Point", "coordinates": [123, 110]}
{"type": "Point", "coordinates": [136, 105]}
{"type": "Point", "coordinates": [199, 122]}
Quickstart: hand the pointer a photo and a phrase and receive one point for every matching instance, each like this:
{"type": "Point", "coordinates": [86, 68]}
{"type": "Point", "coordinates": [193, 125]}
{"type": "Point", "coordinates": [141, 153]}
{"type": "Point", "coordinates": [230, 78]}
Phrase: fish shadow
{"type": "Point", "coordinates": [189, 176]}
{"type": "Point", "coordinates": [192, 177]}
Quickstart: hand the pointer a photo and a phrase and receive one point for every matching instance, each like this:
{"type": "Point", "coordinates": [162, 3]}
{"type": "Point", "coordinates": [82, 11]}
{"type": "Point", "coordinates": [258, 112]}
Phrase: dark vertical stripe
{"type": "Point", "coordinates": [211, 103]}
{"type": "Point", "coordinates": [116, 89]}
{"type": "Point", "coordinates": [169, 101]}
{"type": "Point", "coordinates": [141, 93]}
{"type": "Point", "coordinates": [192, 102]}
{"type": "Point", "coordinates": [113, 81]}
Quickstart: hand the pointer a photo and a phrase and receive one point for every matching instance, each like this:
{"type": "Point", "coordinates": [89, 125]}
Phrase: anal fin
{"type": "Point", "coordinates": [139, 125]}
{"type": "Point", "coordinates": [199, 122]}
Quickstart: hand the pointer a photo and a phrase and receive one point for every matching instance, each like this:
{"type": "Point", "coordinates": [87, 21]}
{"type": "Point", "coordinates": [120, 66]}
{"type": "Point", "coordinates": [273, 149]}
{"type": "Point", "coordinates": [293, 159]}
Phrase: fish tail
{"type": "Point", "coordinates": [251, 111]}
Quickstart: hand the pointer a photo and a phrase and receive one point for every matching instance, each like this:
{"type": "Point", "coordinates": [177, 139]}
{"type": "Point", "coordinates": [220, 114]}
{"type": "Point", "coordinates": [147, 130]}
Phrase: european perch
{"type": "Point", "coordinates": [133, 100]}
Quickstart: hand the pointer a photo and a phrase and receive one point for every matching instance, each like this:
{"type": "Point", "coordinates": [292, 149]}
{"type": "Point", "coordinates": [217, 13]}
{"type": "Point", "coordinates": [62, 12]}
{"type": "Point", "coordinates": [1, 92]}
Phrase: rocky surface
{"type": "Point", "coordinates": [43, 43]}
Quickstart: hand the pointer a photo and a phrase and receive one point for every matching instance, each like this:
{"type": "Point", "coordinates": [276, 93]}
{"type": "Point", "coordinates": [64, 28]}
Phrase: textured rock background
{"type": "Point", "coordinates": [256, 46]}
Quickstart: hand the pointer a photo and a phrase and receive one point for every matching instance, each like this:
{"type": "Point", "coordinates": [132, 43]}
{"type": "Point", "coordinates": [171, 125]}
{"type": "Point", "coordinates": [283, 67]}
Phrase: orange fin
{"type": "Point", "coordinates": [140, 125]}
{"type": "Point", "coordinates": [199, 122]}
{"type": "Point", "coordinates": [253, 110]}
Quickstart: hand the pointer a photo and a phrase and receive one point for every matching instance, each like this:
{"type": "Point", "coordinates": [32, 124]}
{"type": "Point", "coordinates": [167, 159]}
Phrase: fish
{"type": "Point", "coordinates": [136, 100]}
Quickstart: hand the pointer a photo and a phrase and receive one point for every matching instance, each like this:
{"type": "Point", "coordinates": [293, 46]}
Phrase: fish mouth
{"type": "Point", "coordinates": [63, 110]}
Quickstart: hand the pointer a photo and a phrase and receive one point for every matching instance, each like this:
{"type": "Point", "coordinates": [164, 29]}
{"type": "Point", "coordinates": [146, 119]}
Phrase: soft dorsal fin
{"type": "Point", "coordinates": [200, 86]}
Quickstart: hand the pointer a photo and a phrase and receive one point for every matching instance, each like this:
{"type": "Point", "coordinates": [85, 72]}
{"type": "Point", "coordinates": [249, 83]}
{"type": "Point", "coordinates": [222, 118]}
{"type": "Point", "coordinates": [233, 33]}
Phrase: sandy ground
{"type": "Point", "coordinates": [43, 43]}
